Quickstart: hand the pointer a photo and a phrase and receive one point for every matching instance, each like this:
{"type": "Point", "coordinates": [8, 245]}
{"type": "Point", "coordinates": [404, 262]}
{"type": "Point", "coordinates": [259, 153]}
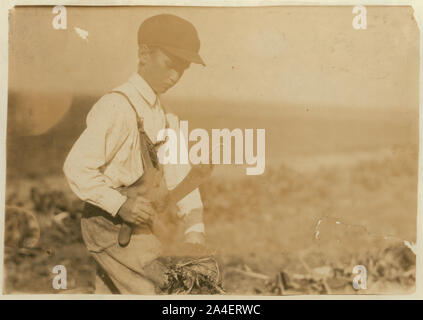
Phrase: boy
{"type": "Point", "coordinates": [112, 153]}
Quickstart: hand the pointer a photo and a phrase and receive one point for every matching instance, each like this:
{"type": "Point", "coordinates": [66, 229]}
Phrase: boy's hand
{"type": "Point", "coordinates": [194, 245]}
{"type": "Point", "coordinates": [137, 210]}
{"type": "Point", "coordinates": [195, 238]}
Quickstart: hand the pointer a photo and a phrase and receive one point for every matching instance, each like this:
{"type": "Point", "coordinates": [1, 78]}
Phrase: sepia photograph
{"type": "Point", "coordinates": [182, 150]}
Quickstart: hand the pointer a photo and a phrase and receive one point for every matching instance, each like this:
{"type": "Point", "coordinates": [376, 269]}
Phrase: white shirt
{"type": "Point", "coordinates": [107, 155]}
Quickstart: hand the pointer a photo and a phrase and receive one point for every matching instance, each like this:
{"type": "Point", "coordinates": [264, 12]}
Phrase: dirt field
{"type": "Point", "coordinates": [338, 191]}
{"type": "Point", "coordinates": [311, 227]}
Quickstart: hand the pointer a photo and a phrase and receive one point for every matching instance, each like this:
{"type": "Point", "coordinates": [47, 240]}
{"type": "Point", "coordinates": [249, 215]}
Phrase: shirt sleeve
{"type": "Point", "coordinates": [190, 208]}
{"type": "Point", "coordinates": [106, 131]}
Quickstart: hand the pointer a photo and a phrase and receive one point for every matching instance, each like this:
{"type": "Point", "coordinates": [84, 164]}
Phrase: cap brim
{"type": "Point", "coordinates": [185, 54]}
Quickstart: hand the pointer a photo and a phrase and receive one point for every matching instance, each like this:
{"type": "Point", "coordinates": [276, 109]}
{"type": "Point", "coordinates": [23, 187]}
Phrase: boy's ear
{"type": "Point", "coordinates": [143, 53]}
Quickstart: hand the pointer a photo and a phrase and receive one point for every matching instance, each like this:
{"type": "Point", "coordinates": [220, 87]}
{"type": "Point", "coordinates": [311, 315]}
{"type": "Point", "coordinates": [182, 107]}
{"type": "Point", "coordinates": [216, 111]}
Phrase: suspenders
{"type": "Point", "coordinates": [148, 148]}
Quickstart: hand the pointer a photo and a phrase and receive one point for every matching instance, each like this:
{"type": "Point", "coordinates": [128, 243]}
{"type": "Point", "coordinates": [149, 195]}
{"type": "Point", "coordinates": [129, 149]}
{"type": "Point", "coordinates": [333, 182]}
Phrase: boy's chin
{"type": "Point", "coordinates": [163, 89]}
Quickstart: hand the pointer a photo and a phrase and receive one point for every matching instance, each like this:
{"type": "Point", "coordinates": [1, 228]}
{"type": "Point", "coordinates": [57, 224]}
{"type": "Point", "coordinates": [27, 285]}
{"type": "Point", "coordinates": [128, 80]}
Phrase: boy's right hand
{"type": "Point", "coordinates": [137, 210]}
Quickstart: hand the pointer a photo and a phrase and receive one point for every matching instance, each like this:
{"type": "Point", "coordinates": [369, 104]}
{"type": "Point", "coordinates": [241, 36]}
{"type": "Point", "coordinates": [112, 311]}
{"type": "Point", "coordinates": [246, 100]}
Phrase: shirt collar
{"type": "Point", "coordinates": [144, 89]}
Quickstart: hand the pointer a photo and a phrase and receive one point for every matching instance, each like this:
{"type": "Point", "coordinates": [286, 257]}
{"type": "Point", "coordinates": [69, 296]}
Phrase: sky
{"type": "Point", "coordinates": [268, 55]}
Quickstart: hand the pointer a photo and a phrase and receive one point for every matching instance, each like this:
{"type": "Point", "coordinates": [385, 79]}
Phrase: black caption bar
{"type": "Point", "coordinates": [206, 309]}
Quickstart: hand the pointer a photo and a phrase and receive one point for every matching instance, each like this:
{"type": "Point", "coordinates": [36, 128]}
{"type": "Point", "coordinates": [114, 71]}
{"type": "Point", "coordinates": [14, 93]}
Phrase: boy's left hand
{"type": "Point", "coordinates": [194, 245]}
{"type": "Point", "coordinates": [195, 238]}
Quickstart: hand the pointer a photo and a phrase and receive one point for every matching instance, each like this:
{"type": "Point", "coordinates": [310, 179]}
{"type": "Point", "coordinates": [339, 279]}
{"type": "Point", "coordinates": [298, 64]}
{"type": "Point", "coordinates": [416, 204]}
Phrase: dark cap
{"type": "Point", "coordinates": [173, 34]}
